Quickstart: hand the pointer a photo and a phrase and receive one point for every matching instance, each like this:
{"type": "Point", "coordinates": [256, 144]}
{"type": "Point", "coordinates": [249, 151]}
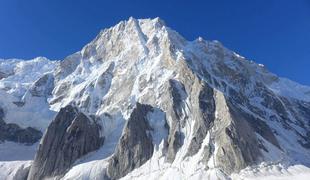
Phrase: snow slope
{"type": "Point", "coordinates": [15, 160]}
{"type": "Point", "coordinates": [274, 172]}
{"type": "Point", "coordinates": [19, 105]}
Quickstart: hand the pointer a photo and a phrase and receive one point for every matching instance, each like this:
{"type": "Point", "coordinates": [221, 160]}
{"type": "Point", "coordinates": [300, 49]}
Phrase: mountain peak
{"type": "Point", "coordinates": [161, 104]}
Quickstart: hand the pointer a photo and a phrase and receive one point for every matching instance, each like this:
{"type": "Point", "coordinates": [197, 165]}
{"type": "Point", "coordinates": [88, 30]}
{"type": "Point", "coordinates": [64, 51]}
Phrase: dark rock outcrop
{"type": "Point", "coordinates": [175, 139]}
{"type": "Point", "coordinates": [204, 118]}
{"type": "Point", "coordinates": [239, 146]}
{"type": "Point", "coordinates": [69, 136]}
{"type": "Point", "coordinates": [2, 75]}
{"type": "Point", "coordinates": [12, 132]}
{"type": "Point", "coordinates": [235, 136]}
{"type": "Point", "coordinates": [135, 146]}
{"type": "Point", "coordinates": [1, 113]}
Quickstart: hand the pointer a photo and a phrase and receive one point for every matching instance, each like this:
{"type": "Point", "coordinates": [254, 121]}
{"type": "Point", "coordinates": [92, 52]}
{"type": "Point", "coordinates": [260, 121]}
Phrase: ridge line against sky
{"type": "Point", "coordinates": [271, 32]}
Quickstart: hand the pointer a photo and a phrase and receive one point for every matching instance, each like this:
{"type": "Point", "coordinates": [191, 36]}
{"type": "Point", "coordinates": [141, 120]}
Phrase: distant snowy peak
{"type": "Point", "coordinates": [288, 88]}
{"type": "Point", "coordinates": [26, 71]}
{"type": "Point", "coordinates": [21, 85]}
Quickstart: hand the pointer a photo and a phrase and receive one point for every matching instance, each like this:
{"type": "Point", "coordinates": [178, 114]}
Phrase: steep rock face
{"type": "Point", "coordinates": [43, 87]}
{"type": "Point", "coordinates": [175, 110]}
{"type": "Point", "coordinates": [204, 116]}
{"type": "Point", "coordinates": [135, 146]}
{"type": "Point", "coordinates": [2, 75]}
{"type": "Point", "coordinates": [236, 143]}
{"type": "Point", "coordinates": [70, 136]}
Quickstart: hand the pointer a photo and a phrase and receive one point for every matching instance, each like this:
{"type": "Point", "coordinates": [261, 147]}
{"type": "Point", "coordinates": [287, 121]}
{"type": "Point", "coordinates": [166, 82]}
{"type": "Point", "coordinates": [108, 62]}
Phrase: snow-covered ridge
{"type": "Point", "coordinates": [288, 88]}
{"type": "Point", "coordinates": [23, 73]}
{"type": "Point", "coordinates": [18, 77]}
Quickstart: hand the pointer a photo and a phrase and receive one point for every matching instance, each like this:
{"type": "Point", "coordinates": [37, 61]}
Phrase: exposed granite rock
{"type": "Point", "coordinates": [237, 144]}
{"type": "Point", "coordinates": [69, 136]}
{"type": "Point", "coordinates": [43, 86]}
{"type": "Point", "coordinates": [208, 150]}
{"type": "Point", "coordinates": [2, 75]}
{"type": "Point", "coordinates": [260, 127]}
{"type": "Point", "coordinates": [135, 146]}
{"type": "Point", "coordinates": [1, 113]}
{"type": "Point", "coordinates": [19, 103]}
{"type": "Point", "coordinates": [203, 117]}
{"type": "Point", "coordinates": [178, 95]}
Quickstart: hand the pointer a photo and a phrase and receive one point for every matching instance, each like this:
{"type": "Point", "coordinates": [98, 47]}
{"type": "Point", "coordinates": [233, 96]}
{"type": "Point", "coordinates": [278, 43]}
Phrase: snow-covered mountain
{"type": "Point", "coordinates": [142, 102]}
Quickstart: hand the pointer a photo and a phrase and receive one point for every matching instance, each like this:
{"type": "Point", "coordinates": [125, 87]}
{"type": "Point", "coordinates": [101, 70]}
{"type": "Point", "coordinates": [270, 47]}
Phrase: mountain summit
{"type": "Point", "coordinates": [140, 101]}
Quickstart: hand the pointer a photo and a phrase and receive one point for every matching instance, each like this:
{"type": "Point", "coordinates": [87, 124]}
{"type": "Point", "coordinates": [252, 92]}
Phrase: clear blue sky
{"type": "Point", "coordinates": [272, 32]}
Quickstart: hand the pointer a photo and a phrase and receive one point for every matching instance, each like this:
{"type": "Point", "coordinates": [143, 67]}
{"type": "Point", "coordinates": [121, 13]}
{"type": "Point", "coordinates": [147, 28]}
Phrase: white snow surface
{"type": "Point", "coordinates": [14, 170]}
{"type": "Point", "coordinates": [273, 172]}
{"type": "Point", "coordinates": [15, 160]}
{"type": "Point", "coordinates": [22, 73]}
{"type": "Point", "coordinates": [288, 88]}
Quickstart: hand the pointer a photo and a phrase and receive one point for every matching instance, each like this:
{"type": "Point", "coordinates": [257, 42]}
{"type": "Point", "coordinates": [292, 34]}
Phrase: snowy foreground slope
{"type": "Point", "coordinates": [142, 102]}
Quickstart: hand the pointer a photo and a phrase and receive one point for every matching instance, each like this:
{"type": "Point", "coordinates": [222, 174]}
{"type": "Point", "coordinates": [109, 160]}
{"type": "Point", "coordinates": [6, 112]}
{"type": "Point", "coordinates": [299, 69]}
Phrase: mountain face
{"type": "Point", "coordinates": [140, 101]}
